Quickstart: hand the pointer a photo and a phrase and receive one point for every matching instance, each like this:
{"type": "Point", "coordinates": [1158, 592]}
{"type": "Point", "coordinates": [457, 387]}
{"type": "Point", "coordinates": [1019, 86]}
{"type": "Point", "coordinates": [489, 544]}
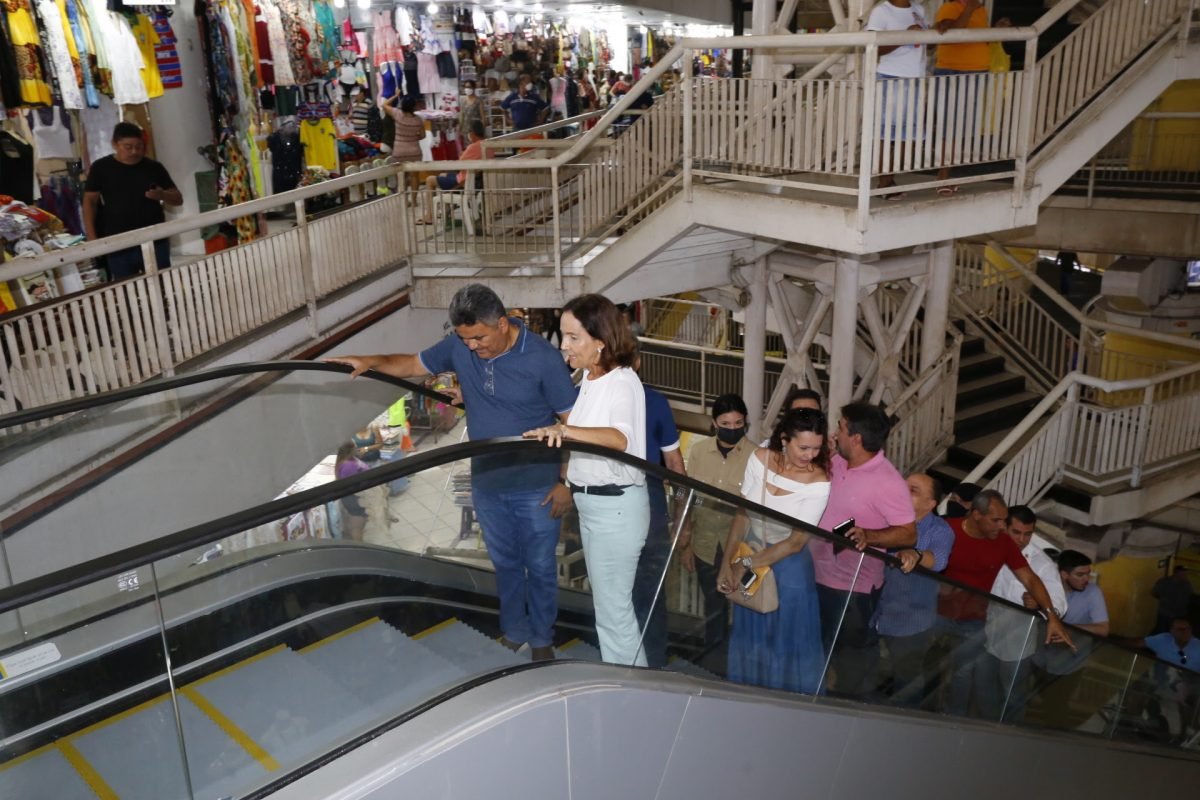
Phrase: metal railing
{"type": "Point", "coordinates": [120, 334]}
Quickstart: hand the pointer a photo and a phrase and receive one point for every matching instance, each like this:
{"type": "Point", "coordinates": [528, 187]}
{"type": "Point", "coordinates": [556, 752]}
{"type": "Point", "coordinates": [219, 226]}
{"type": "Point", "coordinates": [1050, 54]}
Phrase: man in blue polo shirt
{"type": "Point", "coordinates": [907, 607]}
{"type": "Point", "coordinates": [512, 381]}
{"type": "Point", "coordinates": [524, 105]}
{"type": "Point", "coordinates": [662, 447]}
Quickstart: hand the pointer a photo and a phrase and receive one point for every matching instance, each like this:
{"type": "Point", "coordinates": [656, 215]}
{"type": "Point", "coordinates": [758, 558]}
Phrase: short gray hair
{"type": "Point", "coordinates": [475, 303]}
{"type": "Point", "coordinates": [982, 502]}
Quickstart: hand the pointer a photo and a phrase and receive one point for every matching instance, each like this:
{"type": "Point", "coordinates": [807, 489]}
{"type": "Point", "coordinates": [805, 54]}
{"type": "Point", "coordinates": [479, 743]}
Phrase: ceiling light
{"type": "Point", "coordinates": [339, 3]}
{"type": "Point", "coordinates": [363, 3]}
{"type": "Point", "coordinates": [432, 8]}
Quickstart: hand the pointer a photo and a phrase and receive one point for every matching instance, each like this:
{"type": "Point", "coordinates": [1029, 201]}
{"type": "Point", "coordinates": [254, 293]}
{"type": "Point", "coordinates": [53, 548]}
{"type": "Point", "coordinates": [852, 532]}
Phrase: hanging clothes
{"type": "Point", "coordinates": [169, 70]}
{"type": "Point", "coordinates": [297, 41]}
{"type": "Point", "coordinates": [65, 68]}
{"type": "Point", "coordinates": [319, 138]}
{"type": "Point", "coordinates": [80, 44]}
{"type": "Point", "coordinates": [16, 167]}
{"type": "Point", "coordinates": [147, 41]}
{"type": "Point", "coordinates": [27, 47]}
{"type": "Point", "coordinates": [280, 54]}
{"type": "Point", "coordinates": [331, 34]}
{"type": "Point", "coordinates": [126, 59]}
{"type": "Point", "coordinates": [51, 133]}
{"type": "Point", "coordinates": [287, 157]}
{"type": "Point", "coordinates": [262, 34]}
{"type": "Point", "coordinates": [387, 43]}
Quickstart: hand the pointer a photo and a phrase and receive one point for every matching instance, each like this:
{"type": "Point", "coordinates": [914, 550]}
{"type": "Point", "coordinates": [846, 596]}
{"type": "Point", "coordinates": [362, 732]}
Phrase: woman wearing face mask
{"type": "Point", "coordinates": [782, 649]}
{"type": "Point", "coordinates": [469, 111]}
{"type": "Point", "coordinates": [613, 504]}
{"type": "Point", "coordinates": [720, 462]}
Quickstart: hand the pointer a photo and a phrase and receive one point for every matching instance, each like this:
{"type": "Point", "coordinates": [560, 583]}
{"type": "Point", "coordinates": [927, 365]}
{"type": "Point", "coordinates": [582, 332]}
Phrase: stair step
{"type": "Point", "coordinates": [382, 667]}
{"type": "Point", "coordinates": [467, 648]}
{"type": "Point", "coordinates": [948, 475]}
{"type": "Point", "coordinates": [971, 346]}
{"type": "Point", "coordinates": [979, 365]}
{"type": "Point", "coordinates": [983, 418]}
{"type": "Point", "coordinates": [988, 387]}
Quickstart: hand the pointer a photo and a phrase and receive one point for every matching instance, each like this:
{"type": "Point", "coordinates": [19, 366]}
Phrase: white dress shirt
{"type": "Point", "coordinates": [1006, 628]}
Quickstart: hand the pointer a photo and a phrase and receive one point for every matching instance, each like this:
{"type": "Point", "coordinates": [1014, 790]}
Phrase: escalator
{"type": "Point", "coordinates": [320, 666]}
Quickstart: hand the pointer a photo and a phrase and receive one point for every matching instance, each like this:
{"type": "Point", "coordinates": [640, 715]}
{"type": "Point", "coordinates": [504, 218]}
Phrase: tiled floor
{"type": "Point", "coordinates": [425, 514]}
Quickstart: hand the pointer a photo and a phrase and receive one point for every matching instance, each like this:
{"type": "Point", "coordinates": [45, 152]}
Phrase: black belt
{"type": "Point", "coordinates": [604, 490]}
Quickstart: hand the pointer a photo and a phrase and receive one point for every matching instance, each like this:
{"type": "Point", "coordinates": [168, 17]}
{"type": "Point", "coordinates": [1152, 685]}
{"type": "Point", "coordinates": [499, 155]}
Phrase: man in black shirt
{"type": "Point", "coordinates": [124, 192]}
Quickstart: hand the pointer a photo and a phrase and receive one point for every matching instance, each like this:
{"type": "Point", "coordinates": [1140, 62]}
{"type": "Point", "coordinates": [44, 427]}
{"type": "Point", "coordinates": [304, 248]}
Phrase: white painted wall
{"type": "Point", "coordinates": [181, 123]}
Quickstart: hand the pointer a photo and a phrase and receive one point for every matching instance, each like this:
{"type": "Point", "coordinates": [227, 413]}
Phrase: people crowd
{"type": "Point", "coordinates": [873, 625]}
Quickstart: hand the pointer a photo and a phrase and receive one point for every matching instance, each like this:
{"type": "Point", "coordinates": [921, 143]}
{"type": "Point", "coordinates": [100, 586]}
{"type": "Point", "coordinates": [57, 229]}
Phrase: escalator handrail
{"type": "Point", "coordinates": [164, 384]}
{"type": "Point", "coordinates": [109, 565]}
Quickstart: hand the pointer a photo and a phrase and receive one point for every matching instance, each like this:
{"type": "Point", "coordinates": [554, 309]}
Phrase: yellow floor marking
{"type": "Point", "coordinates": [569, 645]}
{"type": "Point", "coordinates": [334, 637]}
{"type": "Point", "coordinates": [237, 666]}
{"type": "Point", "coordinates": [86, 771]}
{"type": "Point", "coordinates": [230, 728]}
{"type": "Point", "coordinates": [443, 624]}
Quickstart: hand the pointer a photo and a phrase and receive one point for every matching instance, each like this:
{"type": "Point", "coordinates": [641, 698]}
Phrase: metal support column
{"type": "Point", "coordinates": [755, 349]}
{"type": "Point", "coordinates": [845, 322]}
{"type": "Point", "coordinates": [937, 302]}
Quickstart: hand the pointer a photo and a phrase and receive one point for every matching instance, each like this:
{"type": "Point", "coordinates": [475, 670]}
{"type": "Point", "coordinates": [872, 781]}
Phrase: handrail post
{"type": "Point", "coordinates": [1025, 131]}
{"type": "Point", "coordinates": [688, 127]}
{"type": "Point", "coordinates": [558, 273]}
{"type": "Point", "coordinates": [307, 272]}
{"type": "Point", "coordinates": [866, 165]}
{"type": "Point", "coordinates": [158, 309]}
{"type": "Point", "coordinates": [703, 379]}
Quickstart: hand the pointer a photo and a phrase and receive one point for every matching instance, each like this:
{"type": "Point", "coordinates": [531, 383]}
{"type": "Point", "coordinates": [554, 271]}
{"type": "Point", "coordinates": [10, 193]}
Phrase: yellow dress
{"type": "Point", "coordinates": [27, 45]}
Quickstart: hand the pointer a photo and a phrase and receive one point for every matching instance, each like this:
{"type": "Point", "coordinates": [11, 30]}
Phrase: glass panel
{"type": "Point", "coordinates": [85, 705]}
{"type": "Point", "coordinates": [167, 455]}
{"type": "Point", "coordinates": [296, 636]}
{"type": "Point", "coordinates": [1082, 691]}
{"type": "Point", "coordinates": [1160, 705]}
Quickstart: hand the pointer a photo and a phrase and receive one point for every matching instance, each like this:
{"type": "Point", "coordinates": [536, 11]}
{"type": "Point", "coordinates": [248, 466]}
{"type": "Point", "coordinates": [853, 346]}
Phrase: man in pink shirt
{"type": "Point", "coordinates": [865, 487]}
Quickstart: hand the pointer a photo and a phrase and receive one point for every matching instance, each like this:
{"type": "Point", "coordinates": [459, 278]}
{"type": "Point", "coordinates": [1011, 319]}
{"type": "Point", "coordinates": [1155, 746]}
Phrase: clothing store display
{"type": "Point", "coordinates": [60, 60]}
{"type": "Point", "coordinates": [27, 47]}
{"type": "Point", "coordinates": [169, 70]}
{"type": "Point", "coordinates": [51, 133]}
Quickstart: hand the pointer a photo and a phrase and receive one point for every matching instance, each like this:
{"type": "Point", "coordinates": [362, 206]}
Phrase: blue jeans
{"type": "Point", "coordinates": [127, 263]}
{"type": "Point", "coordinates": [521, 536]}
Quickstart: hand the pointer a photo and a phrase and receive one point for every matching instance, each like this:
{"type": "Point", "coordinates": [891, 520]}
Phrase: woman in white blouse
{"type": "Point", "coordinates": [614, 507]}
{"type": "Point", "coordinates": [782, 649]}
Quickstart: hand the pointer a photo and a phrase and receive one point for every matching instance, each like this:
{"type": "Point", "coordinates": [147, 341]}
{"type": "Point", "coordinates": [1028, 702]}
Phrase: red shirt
{"type": "Point", "coordinates": [976, 563]}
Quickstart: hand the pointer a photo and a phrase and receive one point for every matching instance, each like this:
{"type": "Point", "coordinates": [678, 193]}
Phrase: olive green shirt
{"type": "Point", "coordinates": [710, 517]}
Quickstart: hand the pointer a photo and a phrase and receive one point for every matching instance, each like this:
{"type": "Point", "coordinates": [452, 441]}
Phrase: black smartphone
{"type": "Point", "coordinates": [841, 529]}
{"type": "Point", "coordinates": [749, 579]}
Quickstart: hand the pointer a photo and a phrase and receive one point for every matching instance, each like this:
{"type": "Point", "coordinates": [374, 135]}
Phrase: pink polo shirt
{"type": "Point", "coordinates": [876, 495]}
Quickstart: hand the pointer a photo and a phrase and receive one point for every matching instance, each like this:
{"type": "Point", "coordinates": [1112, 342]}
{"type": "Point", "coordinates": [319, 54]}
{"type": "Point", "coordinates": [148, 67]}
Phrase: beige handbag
{"type": "Point", "coordinates": [763, 595]}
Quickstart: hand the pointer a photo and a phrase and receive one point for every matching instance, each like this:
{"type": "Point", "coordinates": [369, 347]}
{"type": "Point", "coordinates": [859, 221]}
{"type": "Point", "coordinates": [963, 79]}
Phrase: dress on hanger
{"type": "Point", "coordinates": [27, 46]}
{"type": "Point", "coordinates": [60, 57]}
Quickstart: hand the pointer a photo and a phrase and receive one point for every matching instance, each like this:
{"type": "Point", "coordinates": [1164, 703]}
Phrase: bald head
{"type": "Point", "coordinates": [926, 493]}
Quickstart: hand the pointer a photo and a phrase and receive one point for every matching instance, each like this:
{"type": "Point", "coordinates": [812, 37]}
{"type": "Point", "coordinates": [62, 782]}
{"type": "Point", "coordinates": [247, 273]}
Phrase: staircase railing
{"type": "Point", "coordinates": [1075, 71]}
{"type": "Point", "coordinates": [1097, 446]}
{"type": "Point", "coordinates": [997, 304]}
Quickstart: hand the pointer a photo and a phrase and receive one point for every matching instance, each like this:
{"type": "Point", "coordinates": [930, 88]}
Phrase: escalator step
{"type": "Point", "coordinates": [467, 648]}
{"type": "Point", "coordinates": [280, 707]}
{"type": "Point", "coordinates": [45, 772]}
{"type": "Point", "coordinates": [382, 667]}
{"type": "Point", "coordinates": [136, 753]}
{"type": "Point", "coordinates": [579, 650]}
{"type": "Point", "coordinates": [684, 667]}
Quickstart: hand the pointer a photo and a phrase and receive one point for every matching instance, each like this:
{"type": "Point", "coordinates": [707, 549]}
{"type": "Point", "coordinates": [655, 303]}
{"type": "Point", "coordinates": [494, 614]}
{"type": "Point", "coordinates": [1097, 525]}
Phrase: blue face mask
{"type": "Point", "coordinates": [731, 436]}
